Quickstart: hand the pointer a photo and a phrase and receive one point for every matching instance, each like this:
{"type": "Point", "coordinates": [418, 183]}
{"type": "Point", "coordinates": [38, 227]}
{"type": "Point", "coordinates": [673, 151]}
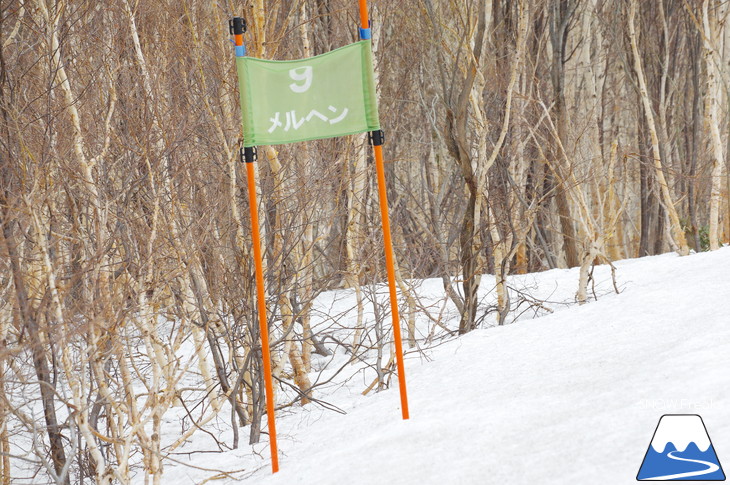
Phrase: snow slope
{"type": "Point", "coordinates": [571, 397]}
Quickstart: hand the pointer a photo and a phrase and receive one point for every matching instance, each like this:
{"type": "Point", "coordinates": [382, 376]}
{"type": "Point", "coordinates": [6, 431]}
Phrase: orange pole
{"type": "Point", "coordinates": [390, 266]}
{"type": "Point", "coordinates": [238, 26]}
{"type": "Point", "coordinates": [263, 326]}
{"type": "Point", "coordinates": [389, 260]}
{"type": "Point", "coordinates": [364, 20]}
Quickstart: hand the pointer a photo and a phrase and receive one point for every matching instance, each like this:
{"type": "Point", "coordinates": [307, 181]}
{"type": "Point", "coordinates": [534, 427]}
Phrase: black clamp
{"type": "Point", "coordinates": [248, 154]}
{"type": "Point", "coordinates": [237, 26]}
{"type": "Point", "coordinates": [376, 138]}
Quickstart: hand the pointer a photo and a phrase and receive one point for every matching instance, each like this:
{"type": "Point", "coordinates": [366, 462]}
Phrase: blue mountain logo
{"type": "Point", "coordinates": [681, 450]}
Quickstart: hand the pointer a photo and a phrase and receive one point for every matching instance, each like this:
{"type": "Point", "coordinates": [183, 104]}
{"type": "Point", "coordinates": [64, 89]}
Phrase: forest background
{"type": "Point", "coordinates": [520, 136]}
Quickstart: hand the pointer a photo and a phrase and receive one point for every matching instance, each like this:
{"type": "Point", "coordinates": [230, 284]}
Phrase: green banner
{"type": "Point", "coordinates": [321, 97]}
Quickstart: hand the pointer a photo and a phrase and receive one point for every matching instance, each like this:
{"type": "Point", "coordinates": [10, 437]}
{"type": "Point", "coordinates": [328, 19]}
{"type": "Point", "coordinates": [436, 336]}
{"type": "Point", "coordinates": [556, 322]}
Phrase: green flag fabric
{"type": "Point", "coordinates": [329, 95]}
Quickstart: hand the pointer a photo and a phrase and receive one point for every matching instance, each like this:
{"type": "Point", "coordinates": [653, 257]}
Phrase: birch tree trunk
{"type": "Point", "coordinates": [679, 242]}
{"type": "Point", "coordinates": [306, 246]}
{"type": "Point", "coordinates": [355, 190]}
{"type": "Point", "coordinates": [724, 67]}
{"type": "Point", "coordinates": [282, 197]}
{"type": "Point", "coordinates": [503, 242]}
{"type": "Point", "coordinates": [561, 13]}
{"type": "Point", "coordinates": [5, 450]}
{"type": "Point", "coordinates": [712, 39]}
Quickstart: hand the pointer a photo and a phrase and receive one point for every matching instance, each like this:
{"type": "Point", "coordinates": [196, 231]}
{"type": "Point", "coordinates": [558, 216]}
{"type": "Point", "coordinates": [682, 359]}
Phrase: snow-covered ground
{"type": "Point", "coordinates": [571, 397]}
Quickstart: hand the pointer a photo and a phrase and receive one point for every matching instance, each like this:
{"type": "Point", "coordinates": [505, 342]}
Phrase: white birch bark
{"type": "Point", "coordinates": [502, 245]}
{"type": "Point", "coordinates": [713, 36]}
{"type": "Point", "coordinates": [678, 239]}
